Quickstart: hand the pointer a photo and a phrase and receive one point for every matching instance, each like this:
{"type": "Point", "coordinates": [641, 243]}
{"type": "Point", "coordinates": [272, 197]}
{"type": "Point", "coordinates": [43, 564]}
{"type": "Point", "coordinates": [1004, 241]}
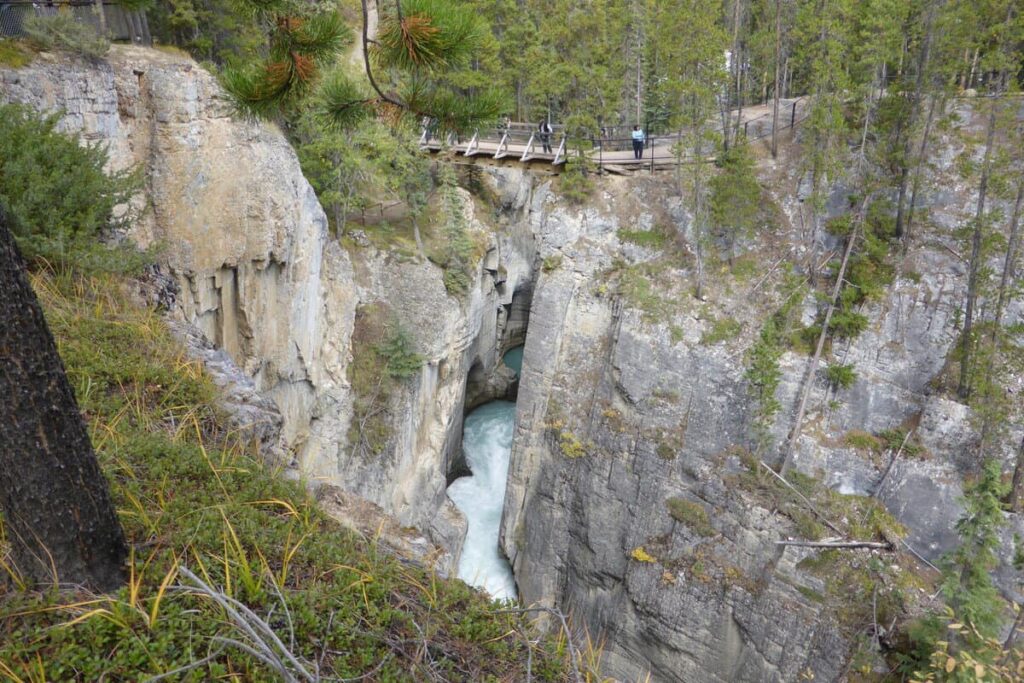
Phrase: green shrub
{"type": "Point", "coordinates": [690, 513]}
{"type": "Point", "coordinates": [13, 53]}
{"type": "Point", "coordinates": [893, 439]}
{"type": "Point", "coordinates": [55, 190]}
{"type": "Point", "coordinates": [840, 376]}
{"type": "Point", "coordinates": [575, 183]}
{"type": "Point", "coordinates": [862, 441]}
{"type": "Point", "coordinates": [61, 31]}
{"type": "Point", "coordinates": [551, 263]}
{"type": "Point", "coordinates": [570, 445]}
{"type": "Point", "coordinates": [383, 356]}
{"type": "Point", "coordinates": [722, 329]}
{"type": "Point", "coordinates": [655, 238]}
{"type": "Point", "coordinates": [847, 324]}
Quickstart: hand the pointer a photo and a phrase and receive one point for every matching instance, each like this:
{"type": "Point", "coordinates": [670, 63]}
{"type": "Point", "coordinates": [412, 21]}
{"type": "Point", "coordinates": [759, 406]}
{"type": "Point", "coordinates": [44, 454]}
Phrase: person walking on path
{"type": "Point", "coordinates": [545, 136]}
{"type": "Point", "coordinates": [638, 142]}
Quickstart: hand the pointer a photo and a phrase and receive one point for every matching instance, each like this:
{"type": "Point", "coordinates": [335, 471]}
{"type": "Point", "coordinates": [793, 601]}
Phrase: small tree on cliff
{"type": "Point", "coordinates": [968, 586]}
{"type": "Point", "coordinates": [57, 513]}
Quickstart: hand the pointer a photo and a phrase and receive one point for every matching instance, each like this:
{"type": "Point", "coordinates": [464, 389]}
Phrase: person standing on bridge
{"type": "Point", "coordinates": [638, 142]}
{"type": "Point", "coordinates": [545, 135]}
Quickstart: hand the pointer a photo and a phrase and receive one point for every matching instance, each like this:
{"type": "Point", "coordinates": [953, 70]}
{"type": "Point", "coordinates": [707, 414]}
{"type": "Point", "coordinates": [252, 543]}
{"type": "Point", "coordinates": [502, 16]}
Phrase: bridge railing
{"type": "Point", "coordinates": [116, 22]}
{"type": "Point", "coordinates": [524, 141]}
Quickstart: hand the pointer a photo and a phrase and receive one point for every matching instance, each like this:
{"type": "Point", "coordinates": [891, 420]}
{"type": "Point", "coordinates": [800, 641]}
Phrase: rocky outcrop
{"type": "Point", "coordinates": [237, 225]}
{"type": "Point", "coordinates": [628, 404]}
{"type": "Point", "coordinates": [267, 297]}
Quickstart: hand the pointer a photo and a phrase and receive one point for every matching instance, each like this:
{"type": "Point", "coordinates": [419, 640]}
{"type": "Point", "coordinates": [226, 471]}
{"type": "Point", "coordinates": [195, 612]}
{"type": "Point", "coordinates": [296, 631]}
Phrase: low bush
{"type": "Point", "coordinates": [61, 31]}
{"type": "Point", "coordinates": [840, 376]}
{"type": "Point", "coordinates": [692, 514]}
{"type": "Point", "coordinates": [60, 201]}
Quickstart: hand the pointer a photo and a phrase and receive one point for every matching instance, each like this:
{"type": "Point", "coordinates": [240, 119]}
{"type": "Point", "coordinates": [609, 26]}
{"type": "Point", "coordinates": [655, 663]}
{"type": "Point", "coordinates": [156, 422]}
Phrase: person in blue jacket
{"type": "Point", "coordinates": [638, 142]}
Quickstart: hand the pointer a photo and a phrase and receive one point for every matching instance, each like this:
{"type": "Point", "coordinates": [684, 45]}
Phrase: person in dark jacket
{"type": "Point", "coordinates": [545, 135]}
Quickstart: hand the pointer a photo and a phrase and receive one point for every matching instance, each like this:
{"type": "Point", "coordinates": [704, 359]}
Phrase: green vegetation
{"type": "Point", "coordinates": [736, 202]}
{"type": "Point", "coordinates": [551, 263]}
{"type": "Point", "coordinates": [458, 245]}
{"type": "Point", "coordinates": [762, 373]}
{"type": "Point", "coordinates": [14, 53]}
{"type": "Point", "coordinates": [383, 358]}
{"type": "Point", "coordinates": [570, 445]}
{"type": "Point", "coordinates": [968, 585]}
{"type": "Point", "coordinates": [950, 644]}
{"type": "Point", "coordinates": [692, 514]}
{"type": "Point", "coordinates": [840, 376]}
{"type": "Point", "coordinates": [62, 31]}
{"type": "Point", "coordinates": [646, 286]}
{"type": "Point", "coordinates": [722, 329]}
{"type": "Point", "coordinates": [60, 201]}
{"type": "Point", "coordinates": [192, 493]}
{"type": "Point", "coordinates": [863, 441]}
{"type": "Point", "coordinates": [575, 183]}
{"type": "Point", "coordinates": [656, 238]}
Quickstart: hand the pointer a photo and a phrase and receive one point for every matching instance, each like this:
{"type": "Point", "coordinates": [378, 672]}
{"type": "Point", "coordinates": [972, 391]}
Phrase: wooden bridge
{"type": "Point", "coordinates": [613, 151]}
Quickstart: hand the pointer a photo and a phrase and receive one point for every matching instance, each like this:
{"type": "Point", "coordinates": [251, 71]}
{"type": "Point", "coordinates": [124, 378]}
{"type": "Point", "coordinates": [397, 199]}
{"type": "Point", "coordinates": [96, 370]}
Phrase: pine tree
{"type": "Point", "coordinates": [414, 66]}
{"type": "Point", "coordinates": [968, 584]}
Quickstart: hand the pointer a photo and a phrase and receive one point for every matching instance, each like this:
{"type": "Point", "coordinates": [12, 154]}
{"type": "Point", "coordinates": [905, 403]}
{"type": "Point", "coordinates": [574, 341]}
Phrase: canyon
{"type": "Point", "coordinates": [631, 500]}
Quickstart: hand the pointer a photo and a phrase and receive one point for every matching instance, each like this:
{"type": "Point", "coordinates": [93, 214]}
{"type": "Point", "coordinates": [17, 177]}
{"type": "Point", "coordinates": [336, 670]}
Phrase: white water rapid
{"type": "Point", "coordinates": [487, 442]}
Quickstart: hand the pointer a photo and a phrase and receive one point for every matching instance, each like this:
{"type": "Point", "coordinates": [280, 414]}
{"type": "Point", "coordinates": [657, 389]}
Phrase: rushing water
{"type": "Point", "coordinates": [487, 442]}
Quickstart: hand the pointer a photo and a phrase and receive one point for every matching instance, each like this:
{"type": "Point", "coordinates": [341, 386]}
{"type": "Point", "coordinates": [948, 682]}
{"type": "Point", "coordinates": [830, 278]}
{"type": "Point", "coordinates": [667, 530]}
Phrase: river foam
{"type": "Point", "coordinates": [487, 442]}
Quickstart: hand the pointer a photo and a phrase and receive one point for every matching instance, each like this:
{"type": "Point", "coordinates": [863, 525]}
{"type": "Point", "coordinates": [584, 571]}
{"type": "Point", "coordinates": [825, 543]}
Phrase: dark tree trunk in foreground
{"type": "Point", "coordinates": [56, 507]}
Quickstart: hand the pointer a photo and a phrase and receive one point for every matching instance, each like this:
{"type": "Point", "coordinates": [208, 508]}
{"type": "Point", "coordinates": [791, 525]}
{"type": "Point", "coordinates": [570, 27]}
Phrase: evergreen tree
{"type": "Point", "coordinates": [968, 584]}
{"type": "Point", "coordinates": [735, 196]}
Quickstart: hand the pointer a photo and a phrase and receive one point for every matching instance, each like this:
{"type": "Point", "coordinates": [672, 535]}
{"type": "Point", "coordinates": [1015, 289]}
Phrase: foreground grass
{"type": "Point", "coordinates": [210, 525]}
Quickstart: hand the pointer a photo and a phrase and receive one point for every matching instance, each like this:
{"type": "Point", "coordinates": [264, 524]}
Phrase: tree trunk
{"type": "Point", "coordinates": [915, 109]}
{"type": "Point", "coordinates": [55, 502]}
{"type": "Point", "coordinates": [1017, 488]}
{"type": "Point", "coordinates": [917, 168]}
{"type": "Point", "coordinates": [964, 387]}
{"type": "Point", "coordinates": [812, 368]}
{"type": "Point", "coordinates": [778, 67]}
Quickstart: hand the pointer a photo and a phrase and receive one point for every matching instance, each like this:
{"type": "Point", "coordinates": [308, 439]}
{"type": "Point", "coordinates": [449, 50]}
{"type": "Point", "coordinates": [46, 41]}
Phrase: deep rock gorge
{"type": "Point", "coordinates": [623, 405]}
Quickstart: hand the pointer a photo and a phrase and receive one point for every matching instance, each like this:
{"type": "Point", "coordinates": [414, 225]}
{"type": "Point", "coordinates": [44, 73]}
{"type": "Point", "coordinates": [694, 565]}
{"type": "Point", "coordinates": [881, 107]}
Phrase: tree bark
{"type": "Point", "coordinates": [56, 506]}
{"type": "Point", "coordinates": [915, 109]}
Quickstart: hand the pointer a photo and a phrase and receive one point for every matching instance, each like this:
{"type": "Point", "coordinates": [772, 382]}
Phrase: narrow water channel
{"type": "Point", "coordinates": [487, 443]}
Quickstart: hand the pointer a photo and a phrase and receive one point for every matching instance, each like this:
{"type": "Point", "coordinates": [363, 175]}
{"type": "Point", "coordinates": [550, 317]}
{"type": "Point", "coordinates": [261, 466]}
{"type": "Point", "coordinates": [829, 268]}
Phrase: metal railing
{"type": "Point", "coordinates": [120, 23]}
{"type": "Point", "coordinates": [524, 141]}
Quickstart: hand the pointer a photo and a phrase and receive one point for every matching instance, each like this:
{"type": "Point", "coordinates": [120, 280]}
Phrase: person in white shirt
{"type": "Point", "coordinates": [638, 142]}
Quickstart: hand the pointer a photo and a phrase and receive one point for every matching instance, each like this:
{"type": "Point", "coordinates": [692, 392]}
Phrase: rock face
{"type": "Point", "coordinates": [629, 404]}
{"type": "Point", "coordinates": [267, 297]}
{"type": "Point", "coordinates": [239, 227]}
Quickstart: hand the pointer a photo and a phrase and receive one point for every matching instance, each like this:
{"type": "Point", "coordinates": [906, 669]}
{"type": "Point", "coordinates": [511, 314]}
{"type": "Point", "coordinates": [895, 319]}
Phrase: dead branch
{"type": "Point", "coordinates": [892, 461]}
{"type": "Point", "coordinates": [804, 498]}
{"type": "Point", "coordinates": [841, 545]}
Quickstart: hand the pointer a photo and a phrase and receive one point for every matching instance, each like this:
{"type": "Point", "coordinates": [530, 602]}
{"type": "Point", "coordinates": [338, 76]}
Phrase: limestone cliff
{"type": "Point", "coordinates": [631, 401]}
{"type": "Point", "coordinates": [266, 295]}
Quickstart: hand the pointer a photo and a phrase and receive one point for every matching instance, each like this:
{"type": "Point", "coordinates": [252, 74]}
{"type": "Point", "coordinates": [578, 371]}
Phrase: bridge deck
{"type": "Point", "coordinates": [521, 142]}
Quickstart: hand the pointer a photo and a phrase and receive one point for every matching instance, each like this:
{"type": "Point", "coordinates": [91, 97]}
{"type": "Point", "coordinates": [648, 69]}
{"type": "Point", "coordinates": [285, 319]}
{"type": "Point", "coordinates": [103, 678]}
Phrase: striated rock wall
{"type": "Point", "coordinates": [625, 405]}
{"type": "Point", "coordinates": [266, 296]}
{"type": "Point", "coordinates": [239, 228]}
